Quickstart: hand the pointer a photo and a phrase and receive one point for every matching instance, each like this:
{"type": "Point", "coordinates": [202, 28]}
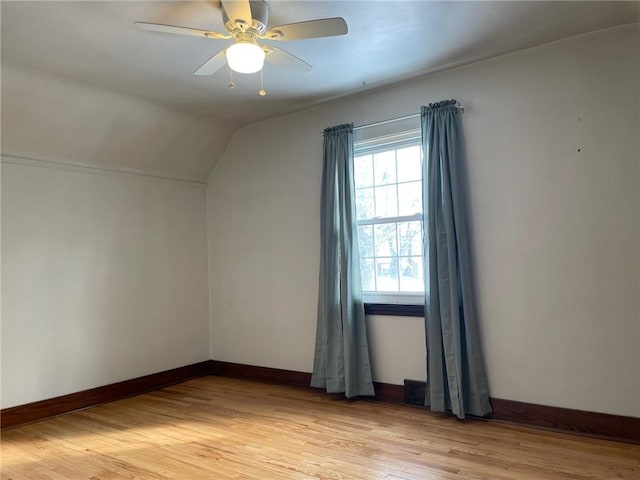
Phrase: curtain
{"type": "Point", "coordinates": [341, 362]}
{"type": "Point", "coordinates": [456, 378]}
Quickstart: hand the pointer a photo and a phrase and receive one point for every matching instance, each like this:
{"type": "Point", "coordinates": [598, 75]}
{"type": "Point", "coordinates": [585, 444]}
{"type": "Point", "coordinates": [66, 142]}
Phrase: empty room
{"type": "Point", "coordinates": [318, 239]}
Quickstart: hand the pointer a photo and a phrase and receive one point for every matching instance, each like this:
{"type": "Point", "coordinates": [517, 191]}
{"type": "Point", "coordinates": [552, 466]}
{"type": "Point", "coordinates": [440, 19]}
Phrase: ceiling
{"type": "Point", "coordinates": [94, 42]}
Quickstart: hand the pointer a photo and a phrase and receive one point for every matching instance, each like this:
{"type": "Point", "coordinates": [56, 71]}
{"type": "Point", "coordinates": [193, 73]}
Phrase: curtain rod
{"type": "Point", "coordinates": [397, 119]}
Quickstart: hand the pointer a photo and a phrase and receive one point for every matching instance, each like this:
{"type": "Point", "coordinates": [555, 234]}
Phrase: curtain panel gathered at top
{"type": "Point", "coordinates": [456, 377]}
{"type": "Point", "coordinates": [341, 362]}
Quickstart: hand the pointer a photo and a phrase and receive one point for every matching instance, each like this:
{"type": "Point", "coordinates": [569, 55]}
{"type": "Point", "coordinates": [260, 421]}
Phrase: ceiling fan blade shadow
{"type": "Point", "coordinates": [286, 60]}
{"type": "Point", "coordinates": [191, 32]}
{"type": "Point", "coordinates": [212, 65]}
{"type": "Point", "coordinates": [238, 10]}
{"type": "Point", "coordinates": [323, 27]}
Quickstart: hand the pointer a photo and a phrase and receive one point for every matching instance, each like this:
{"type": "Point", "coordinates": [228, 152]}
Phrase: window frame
{"type": "Point", "coordinates": [392, 303]}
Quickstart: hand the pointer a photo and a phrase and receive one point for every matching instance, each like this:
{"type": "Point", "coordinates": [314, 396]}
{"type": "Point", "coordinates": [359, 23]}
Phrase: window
{"type": "Point", "coordinates": [388, 193]}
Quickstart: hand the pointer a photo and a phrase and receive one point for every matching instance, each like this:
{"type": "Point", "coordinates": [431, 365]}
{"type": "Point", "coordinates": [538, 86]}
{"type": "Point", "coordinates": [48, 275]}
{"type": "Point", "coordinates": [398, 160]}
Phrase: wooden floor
{"type": "Point", "coordinates": [215, 428]}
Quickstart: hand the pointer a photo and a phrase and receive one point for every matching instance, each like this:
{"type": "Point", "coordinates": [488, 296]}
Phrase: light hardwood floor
{"type": "Point", "coordinates": [216, 429]}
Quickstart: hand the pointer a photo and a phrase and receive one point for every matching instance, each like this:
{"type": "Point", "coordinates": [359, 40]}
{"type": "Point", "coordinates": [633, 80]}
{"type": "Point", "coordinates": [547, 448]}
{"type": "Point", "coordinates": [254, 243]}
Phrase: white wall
{"type": "Point", "coordinates": [104, 278]}
{"type": "Point", "coordinates": [104, 275]}
{"type": "Point", "coordinates": [552, 135]}
{"type": "Point", "coordinates": [50, 118]}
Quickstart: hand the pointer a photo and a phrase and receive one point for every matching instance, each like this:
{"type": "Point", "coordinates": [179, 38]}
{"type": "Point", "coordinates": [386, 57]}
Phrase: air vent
{"type": "Point", "coordinates": [414, 392]}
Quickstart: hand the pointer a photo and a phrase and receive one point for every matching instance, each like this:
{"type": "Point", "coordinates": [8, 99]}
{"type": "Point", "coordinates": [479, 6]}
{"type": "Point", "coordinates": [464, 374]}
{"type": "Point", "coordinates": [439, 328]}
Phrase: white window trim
{"type": "Point", "coordinates": [396, 140]}
{"type": "Point", "coordinates": [372, 146]}
{"type": "Point", "coordinates": [395, 298]}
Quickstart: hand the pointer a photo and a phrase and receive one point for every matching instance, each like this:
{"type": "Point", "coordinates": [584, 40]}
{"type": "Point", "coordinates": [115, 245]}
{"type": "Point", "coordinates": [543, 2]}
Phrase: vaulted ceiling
{"type": "Point", "coordinates": [94, 43]}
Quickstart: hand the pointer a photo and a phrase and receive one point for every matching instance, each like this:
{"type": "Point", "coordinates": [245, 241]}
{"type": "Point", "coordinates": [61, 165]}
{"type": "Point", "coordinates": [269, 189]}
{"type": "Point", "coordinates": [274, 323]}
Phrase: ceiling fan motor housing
{"type": "Point", "coordinates": [259, 14]}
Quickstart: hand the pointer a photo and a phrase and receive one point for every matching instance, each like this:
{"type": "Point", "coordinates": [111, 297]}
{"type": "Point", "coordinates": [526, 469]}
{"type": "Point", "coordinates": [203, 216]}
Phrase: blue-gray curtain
{"type": "Point", "coordinates": [341, 362]}
{"type": "Point", "coordinates": [456, 377]}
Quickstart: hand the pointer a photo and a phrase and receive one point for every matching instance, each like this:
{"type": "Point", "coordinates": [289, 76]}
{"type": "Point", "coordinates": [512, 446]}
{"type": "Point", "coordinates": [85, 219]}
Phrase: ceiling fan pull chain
{"type": "Point", "coordinates": [231, 84]}
{"type": "Point", "coordinates": [262, 92]}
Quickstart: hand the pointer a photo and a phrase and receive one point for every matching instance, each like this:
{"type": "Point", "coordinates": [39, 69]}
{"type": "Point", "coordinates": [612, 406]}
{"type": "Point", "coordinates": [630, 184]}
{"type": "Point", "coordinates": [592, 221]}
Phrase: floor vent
{"type": "Point", "coordinates": [414, 391]}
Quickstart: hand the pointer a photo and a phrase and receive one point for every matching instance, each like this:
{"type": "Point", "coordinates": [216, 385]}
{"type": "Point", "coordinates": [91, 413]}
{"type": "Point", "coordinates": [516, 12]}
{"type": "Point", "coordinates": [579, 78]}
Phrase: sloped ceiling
{"type": "Point", "coordinates": [94, 44]}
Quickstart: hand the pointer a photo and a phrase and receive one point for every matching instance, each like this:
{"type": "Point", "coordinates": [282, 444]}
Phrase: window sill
{"type": "Point", "coordinates": [394, 309]}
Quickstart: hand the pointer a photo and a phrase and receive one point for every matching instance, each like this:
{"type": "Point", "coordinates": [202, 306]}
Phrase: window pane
{"type": "Point", "coordinates": [385, 167]}
{"type": "Point", "coordinates": [367, 275]}
{"type": "Point", "coordinates": [410, 238]}
{"type": "Point", "coordinates": [389, 185]}
{"type": "Point", "coordinates": [387, 274]}
{"type": "Point", "coordinates": [387, 201]}
{"type": "Point", "coordinates": [363, 171]}
{"type": "Point", "coordinates": [409, 198]}
{"type": "Point", "coordinates": [364, 203]}
{"type": "Point", "coordinates": [409, 164]}
{"type": "Point", "coordinates": [411, 274]}
{"type": "Point", "coordinates": [365, 241]}
{"type": "Point", "coordinates": [385, 240]}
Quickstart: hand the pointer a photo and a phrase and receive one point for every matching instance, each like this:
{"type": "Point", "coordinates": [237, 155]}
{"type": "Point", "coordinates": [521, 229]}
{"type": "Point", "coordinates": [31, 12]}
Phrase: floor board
{"type": "Point", "coordinates": [219, 428]}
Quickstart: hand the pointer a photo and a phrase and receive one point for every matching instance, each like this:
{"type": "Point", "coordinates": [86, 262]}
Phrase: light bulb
{"type": "Point", "coordinates": [245, 57]}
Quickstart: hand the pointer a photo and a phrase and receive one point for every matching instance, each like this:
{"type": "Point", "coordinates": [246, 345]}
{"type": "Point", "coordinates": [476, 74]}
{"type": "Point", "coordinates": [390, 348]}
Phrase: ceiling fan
{"type": "Point", "coordinates": [246, 22]}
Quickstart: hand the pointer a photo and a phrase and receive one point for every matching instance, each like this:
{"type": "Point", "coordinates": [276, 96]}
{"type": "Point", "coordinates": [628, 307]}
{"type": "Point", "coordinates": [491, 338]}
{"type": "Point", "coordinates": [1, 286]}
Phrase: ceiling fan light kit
{"type": "Point", "coordinates": [246, 21]}
{"type": "Point", "coordinates": [245, 57]}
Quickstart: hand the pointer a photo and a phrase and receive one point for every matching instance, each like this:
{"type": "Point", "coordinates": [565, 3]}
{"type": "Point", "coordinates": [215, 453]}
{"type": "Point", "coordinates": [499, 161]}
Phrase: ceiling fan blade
{"type": "Point", "coordinates": [212, 65]}
{"type": "Point", "coordinates": [238, 10]}
{"type": "Point", "coordinates": [192, 32]}
{"type": "Point", "coordinates": [323, 27]}
{"type": "Point", "coordinates": [286, 60]}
